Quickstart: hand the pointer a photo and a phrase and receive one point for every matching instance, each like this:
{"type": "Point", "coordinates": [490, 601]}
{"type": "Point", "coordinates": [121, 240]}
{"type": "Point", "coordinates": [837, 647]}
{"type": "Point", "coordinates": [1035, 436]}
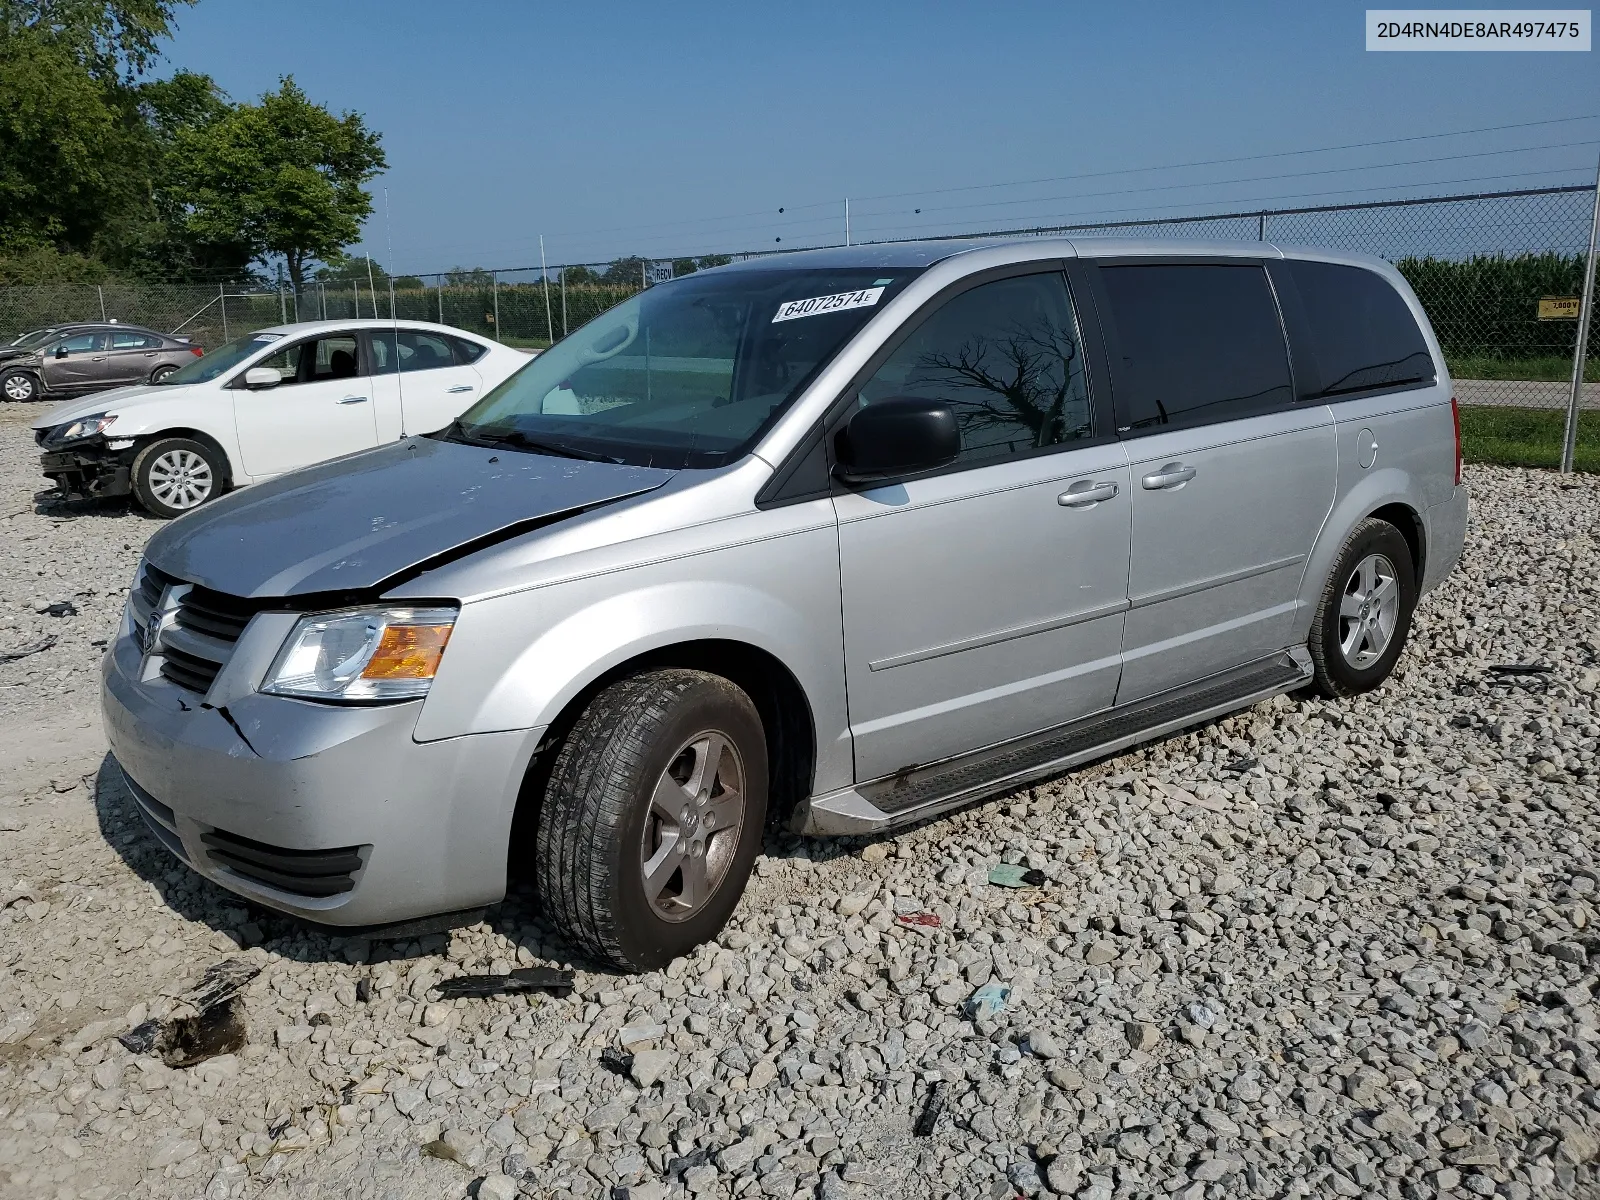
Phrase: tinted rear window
{"type": "Point", "coordinates": [1198, 343]}
{"type": "Point", "coordinates": [1363, 336]}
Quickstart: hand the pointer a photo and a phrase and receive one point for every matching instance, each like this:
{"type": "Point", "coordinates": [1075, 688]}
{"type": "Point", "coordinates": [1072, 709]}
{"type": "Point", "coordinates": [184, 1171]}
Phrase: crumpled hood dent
{"type": "Point", "coordinates": [357, 522]}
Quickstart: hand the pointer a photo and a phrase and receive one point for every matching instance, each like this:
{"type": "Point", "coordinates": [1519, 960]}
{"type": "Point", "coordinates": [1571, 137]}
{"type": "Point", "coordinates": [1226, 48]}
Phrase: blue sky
{"type": "Point", "coordinates": [682, 128]}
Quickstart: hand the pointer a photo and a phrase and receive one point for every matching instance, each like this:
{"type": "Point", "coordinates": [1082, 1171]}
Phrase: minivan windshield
{"type": "Point", "coordinates": [224, 358]}
{"type": "Point", "coordinates": [685, 374]}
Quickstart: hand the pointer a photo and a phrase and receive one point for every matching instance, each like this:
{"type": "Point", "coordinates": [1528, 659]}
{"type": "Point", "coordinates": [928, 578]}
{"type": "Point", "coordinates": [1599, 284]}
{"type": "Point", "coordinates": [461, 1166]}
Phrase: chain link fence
{"type": "Point", "coordinates": [1481, 265]}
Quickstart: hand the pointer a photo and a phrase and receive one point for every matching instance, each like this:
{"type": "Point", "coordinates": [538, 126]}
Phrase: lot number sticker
{"type": "Point", "coordinates": [791, 310]}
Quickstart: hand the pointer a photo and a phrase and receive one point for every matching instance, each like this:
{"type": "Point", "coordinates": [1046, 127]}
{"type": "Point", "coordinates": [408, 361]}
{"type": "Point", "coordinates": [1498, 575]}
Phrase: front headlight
{"type": "Point", "coordinates": [362, 654]}
{"type": "Point", "coordinates": [85, 427]}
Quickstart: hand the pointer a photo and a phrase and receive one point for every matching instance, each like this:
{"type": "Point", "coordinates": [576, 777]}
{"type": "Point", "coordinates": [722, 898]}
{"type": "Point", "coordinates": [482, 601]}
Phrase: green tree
{"type": "Point", "coordinates": [468, 277]}
{"type": "Point", "coordinates": [624, 270]}
{"type": "Point", "coordinates": [577, 275]}
{"type": "Point", "coordinates": [284, 177]}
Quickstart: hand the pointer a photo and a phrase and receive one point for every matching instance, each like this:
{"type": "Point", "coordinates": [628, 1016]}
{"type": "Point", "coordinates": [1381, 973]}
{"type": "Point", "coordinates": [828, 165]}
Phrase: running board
{"type": "Point", "coordinates": [937, 788]}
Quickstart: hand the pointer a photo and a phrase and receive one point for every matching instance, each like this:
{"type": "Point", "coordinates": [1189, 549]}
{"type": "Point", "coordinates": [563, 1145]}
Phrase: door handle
{"type": "Point", "coordinates": [354, 400]}
{"type": "Point", "coordinates": [465, 387]}
{"type": "Point", "coordinates": [1086, 493]}
{"type": "Point", "coordinates": [1170, 476]}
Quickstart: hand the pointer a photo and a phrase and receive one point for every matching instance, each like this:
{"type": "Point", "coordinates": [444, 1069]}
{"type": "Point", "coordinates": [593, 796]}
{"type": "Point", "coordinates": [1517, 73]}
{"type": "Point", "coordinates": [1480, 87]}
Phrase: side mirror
{"type": "Point", "coordinates": [61, 351]}
{"type": "Point", "coordinates": [257, 378]}
{"type": "Point", "coordinates": [898, 436]}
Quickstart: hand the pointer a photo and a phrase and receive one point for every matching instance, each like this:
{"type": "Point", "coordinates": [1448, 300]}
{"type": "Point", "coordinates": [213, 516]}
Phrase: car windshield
{"type": "Point", "coordinates": [28, 341]}
{"type": "Point", "coordinates": [224, 358]}
{"type": "Point", "coordinates": [685, 374]}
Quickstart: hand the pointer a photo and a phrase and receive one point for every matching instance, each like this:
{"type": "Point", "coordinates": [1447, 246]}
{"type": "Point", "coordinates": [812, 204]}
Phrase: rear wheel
{"type": "Point", "coordinates": [653, 817]}
{"type": "Point", "coordinates": [1365, 613]}
{"type": "Point", "coordinates": [160, 373]}
{"type": "Point", "coordinates": [19, 386]}
{"type": "Point", "coordinates": [173, 475]}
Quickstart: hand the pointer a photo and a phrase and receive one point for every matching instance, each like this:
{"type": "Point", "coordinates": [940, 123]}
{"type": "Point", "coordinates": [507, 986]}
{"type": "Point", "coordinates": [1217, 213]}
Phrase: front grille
{"type": "Point", "coordinates": [316, 873]}
{"type": "Point", "coordinates": [221, 616]}
{"type": "Point", "coordinates": [188, 670]}
{"type": "Point", "coordinates": [218, 619]}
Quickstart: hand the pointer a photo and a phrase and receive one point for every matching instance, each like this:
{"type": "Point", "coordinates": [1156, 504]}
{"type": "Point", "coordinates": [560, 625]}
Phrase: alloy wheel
{"type": "Point", "coordinates": [181, 479]}
{"type": "Point", "coordinates": [691, 832]}
{"type": "Point", "coordinates": [1369, 611]}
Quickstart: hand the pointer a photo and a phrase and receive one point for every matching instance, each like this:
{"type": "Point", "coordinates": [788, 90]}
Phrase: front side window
{"type": "Point", "coordinates": [1197, 343]}
{"type": "Point", "coordinates": [686, 374]}
{"type": "Point", "coordinates": [1006, 356]}
{"type": "Point", "coordinates": [316, 360]}
{"type": "Point", "coordinates": [1363, 335]}
{"type": "Point", "coordinates": [82, 343]}
{"type": "Point", "coordinates": [419, 351]}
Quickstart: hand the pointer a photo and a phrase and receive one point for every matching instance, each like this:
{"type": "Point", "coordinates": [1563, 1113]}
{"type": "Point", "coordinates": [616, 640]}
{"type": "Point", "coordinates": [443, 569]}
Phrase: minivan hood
{"type": "Point", "coordinates": [351, 523]}
{"type": "Point", "coordinates": [121, 400]}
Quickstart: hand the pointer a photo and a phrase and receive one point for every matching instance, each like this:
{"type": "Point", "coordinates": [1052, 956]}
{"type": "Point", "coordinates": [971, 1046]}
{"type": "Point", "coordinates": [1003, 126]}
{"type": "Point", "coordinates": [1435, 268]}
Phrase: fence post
{"type": "Point", "coordinates": [1261, 227]}
{"type": "Point", "coordinates": [283, 305]}
{"type": "Point", "coordinates": [494, 286]}
{"type": "Point", "coordinates": [1569, 444]}
{"type": "Point", "coordinates": [222, 301]}
{"type": "Point", "coordinates": [101, 292]}
{"type": "Point", "coordinates": [441, 302]}
{"type": "Point", "coordinates": [322, 297]}
{"type": "Point", "coordinates": [549, 321]}
{"type": "Point", "coordinates": [563, 274]}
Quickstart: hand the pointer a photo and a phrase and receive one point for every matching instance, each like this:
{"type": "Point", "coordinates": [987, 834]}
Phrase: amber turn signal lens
{"type": "Point", "coordinates": [408, 652]}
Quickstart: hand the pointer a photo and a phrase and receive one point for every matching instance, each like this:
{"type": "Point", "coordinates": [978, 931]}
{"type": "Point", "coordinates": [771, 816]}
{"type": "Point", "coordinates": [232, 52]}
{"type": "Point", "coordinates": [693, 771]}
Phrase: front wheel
{"type": "Point", "coordinates": [653, 817]}
{"type": "Point", "coordinates": [170, 476]}
{"type": "Point", "coordinates": [19, 386]}
{"type": "Point", "coordinates": [1365, 612]}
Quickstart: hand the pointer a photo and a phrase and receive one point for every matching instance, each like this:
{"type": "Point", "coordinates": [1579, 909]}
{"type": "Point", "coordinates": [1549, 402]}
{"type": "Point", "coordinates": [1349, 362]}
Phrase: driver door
{"type": "Point", "coordinates": [76, 363]}
{"type": "Point", "coordinates": [322, 409]}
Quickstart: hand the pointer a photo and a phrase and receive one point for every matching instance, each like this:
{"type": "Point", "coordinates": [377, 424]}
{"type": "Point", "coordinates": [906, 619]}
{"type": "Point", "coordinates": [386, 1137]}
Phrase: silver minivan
{"type": "Point", "coordinates": [840, 540]}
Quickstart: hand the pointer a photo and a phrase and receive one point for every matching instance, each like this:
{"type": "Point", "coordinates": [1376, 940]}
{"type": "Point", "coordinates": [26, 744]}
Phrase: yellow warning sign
{"type": "Point", "coordinates": [1558, 308]}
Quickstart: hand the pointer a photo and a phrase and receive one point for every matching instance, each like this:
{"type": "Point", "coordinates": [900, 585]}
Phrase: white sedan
{"type": "Point", "coordinates": [266, 403]}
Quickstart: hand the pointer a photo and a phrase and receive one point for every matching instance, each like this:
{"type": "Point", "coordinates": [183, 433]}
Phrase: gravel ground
{"type": "Point", "coordinates": [1312, 950]}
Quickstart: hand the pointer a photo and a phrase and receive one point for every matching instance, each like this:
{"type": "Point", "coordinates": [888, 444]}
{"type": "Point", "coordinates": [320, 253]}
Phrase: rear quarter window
{"type": "Point", "coordinates": [465, 351]}
{"type": "Point", "coordinates": [1362, 335]}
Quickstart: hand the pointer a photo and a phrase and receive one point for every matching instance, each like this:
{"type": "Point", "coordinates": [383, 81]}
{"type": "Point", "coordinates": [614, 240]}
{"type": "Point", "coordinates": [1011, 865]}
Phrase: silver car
{"type": "Point", "coordinates": [842, 539]}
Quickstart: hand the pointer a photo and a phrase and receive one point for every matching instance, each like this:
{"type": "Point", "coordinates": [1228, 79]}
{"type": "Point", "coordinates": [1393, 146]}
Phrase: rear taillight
{"type": "Point", "coordinates": [1455, 419]}
{"type": "Point", "coordinates": [197, 351]}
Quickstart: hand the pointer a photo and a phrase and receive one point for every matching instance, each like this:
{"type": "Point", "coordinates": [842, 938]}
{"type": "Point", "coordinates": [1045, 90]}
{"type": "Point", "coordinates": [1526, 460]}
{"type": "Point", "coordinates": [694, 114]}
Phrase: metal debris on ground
{"type": "Point", "coordinates": [1241, 765]}
{"type": "Point", "coordinates": [61, 608]}
{"type": "Point", "coordinates": [38, 647]}
{"type": "Point", "coordinates": [988, 1001]}
{"type": "Point", "coordinates": [1520, 669]}
{"type": "Point", "coordinates": [526, 979]}
{"type": "Point", "coordinates": [926, 920]}
{"type": "Point", "coordinates": [618, 1062]}
{"type": "Point", "coordinates": [209, 1019]}
{"type": "Point", "coordinates": [1007, 875]}
{"type": "Point", "coordinates": [931, 1108]}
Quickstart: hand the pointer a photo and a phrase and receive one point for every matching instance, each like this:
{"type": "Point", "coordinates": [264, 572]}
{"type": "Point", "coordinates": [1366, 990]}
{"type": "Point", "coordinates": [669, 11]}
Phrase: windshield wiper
{"type": "Point", "coordinates": [491, 436]}
{"type": "Point", "coordinates": [515, 437]}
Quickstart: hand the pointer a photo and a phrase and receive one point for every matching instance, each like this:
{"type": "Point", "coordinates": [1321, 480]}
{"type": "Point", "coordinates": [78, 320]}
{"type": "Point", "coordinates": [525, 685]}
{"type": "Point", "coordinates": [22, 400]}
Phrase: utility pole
{"type": "Point", "coordinates": [1569, 444]}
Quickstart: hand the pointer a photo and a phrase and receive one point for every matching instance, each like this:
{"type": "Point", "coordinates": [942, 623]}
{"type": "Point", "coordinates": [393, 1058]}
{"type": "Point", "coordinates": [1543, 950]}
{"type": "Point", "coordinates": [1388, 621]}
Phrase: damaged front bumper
{"type": "Point", "coordinates": [90, 470]}
{"type": "Point", "coordinates": [334, 814]}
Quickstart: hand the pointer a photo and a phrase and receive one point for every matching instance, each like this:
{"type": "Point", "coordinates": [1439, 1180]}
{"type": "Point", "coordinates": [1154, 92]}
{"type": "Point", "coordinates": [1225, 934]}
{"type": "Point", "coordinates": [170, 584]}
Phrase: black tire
{"type": "Point", "coordinates": [19, 386]}
{"type": "Point", "coordinates": [162, 372]}
{"type": "Point", "coordinates": [1339, 670]}
{"type": "Point", "coordinates": [597, 813]}
{"type": "Point", "coordinates": [157, 476]}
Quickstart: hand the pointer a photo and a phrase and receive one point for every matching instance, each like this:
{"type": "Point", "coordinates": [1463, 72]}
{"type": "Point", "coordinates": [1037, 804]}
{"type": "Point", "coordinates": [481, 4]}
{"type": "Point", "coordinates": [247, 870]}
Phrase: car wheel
{"type": "Point", "coordinates": [19, 386]}
{"type": "Point", "coordinates": [652, 817]}
{"type": "Point", "coordinates": [173, 475]}
{"type": "Point", "coordinates": [1365, 612]}
{"type": "Point", "coordinates": [161, 373]}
